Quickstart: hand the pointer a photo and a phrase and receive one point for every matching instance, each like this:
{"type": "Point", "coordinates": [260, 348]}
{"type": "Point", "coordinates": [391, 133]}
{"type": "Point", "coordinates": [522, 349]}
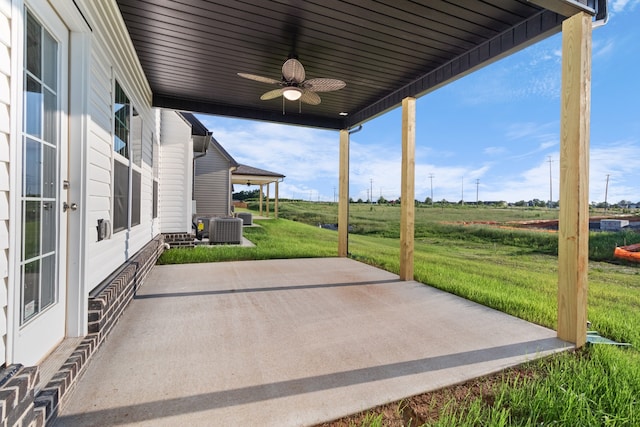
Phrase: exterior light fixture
{"type": "Point", "coordinates": [292, 93]}
{"type": "Point", "coordinates": [343, 113]}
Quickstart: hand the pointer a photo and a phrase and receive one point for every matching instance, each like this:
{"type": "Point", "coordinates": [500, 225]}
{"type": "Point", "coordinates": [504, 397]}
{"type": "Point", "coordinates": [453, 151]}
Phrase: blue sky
{"type": "Point", "coordinates": [498, 127]}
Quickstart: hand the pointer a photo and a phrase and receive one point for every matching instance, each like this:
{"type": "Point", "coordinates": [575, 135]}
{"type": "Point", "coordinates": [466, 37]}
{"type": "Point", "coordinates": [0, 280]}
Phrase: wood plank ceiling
{"type": "Point", "coordinates": [385, 50]}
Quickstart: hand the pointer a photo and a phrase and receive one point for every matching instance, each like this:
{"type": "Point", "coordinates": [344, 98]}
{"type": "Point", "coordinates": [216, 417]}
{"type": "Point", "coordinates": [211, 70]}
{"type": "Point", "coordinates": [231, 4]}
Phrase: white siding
{"type": "Point", "coordinates": [113, 58]}
{"type": "Point", "coordinates": [5, 128]}
{"type": "Point", "coordinates": [212, 185]}
{"type": "Point", "coordinates": [176, 171]}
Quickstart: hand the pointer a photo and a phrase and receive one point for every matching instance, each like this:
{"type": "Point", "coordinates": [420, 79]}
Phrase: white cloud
{"type": "Point", "coordinates": [603, 48]}
{"type": "Point", "coordinates": [494, 151]}
{"type": "Point", "coordinates": [526, 134]}
{"type": "Point", "coordinates": [532, 130]}
{"type": "Point", "coordinates": [533, 72]}
{"type": "Point", "coordinates": [621, 161]}
{"type": "Point", "coordinates": [622, 5]}
{"type": "Point", "coordinates": [544, 145]}
{"type": "Point", "coordinates": [618, 5]}
{"type": "Point", "coordinates": [296, 152]}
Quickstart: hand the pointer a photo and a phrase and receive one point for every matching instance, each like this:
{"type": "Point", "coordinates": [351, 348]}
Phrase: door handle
{"type": "Point", "coordinates": [66, 206]}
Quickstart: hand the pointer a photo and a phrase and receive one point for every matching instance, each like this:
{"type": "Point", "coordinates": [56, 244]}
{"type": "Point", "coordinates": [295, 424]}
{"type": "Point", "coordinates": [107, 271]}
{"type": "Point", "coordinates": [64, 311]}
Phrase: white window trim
{"type": "Point", "coordinates": [117, 157]}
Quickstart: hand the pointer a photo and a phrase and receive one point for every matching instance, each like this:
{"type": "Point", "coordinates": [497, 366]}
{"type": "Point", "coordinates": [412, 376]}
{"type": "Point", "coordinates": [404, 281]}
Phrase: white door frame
{"type": "Point", "coordinates": [79, 84]}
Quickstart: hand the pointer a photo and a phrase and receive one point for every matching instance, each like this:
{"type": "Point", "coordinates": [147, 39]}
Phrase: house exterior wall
{"type": "Point", "coordinates": [5, 129]}
{"type": "Point", "coordinates": [98, 40]}
{"type": "Point", "coordinates": [113, 59]}
{"type": "Point", "coordinates": [97, 53]}
{"type": "Point", "coordinates": [176, 171]}
{"type": "Point", "coordinates": [212, 184]}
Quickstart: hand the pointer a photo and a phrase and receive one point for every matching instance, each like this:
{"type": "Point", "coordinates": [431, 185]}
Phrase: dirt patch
{"type": "Point", "coordinates": [427, 407]}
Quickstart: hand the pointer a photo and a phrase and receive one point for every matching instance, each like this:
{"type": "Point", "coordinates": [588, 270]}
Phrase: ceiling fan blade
{"type": "Point", "coordinates": [323, 85]}
{"type": "Point", "coordinates": [259, 78]}
{"type": "Point", "coordinates": [271, 94]}
{"type": "Point", "coordinates": [293, 71]}
{"type": "Point", "coordinates": [310, 98]}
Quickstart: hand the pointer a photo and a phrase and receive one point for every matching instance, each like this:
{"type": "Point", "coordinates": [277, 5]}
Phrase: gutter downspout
{"type": "Point", "coordinates": [203, 153]}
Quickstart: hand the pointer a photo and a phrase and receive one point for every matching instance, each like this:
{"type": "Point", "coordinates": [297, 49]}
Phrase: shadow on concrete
{"type": "Point", "coordinates": [239, 396]}
{"type": "Point", "coordinates": [269, 289]}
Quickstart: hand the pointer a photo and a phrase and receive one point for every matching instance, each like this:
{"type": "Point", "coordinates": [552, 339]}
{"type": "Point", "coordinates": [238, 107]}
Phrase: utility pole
{"type": "Point", "coordinates": [550, 183]}
{"type": "Point", "coordinates": [334, 194]}
{"type": "Point", "coordinates": [431, 179]}
{"type": "Point", "coordinates": [477, 187]}
{"type": "Point", "coordinates": [606, 190]}
{"type": "Point", "coordinates": [371, 189]}
{"type": "Point", "coordinates": [462, 198]}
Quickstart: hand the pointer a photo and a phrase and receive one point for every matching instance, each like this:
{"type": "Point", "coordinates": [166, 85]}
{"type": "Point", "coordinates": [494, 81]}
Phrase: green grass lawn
{"type": "Point", "coordinates": [510, 270]}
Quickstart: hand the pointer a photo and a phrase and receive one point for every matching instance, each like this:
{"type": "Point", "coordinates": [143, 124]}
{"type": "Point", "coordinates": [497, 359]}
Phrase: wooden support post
{"type": "Point", "coordinates": [275, 207]}
{"type": "Point", "coordinates": [267, 201]}
{"type": "Point", "coordinates": [573, 234]}
{"type": "Point", "coordinates": [260, 199]}
{"type": "Point", "coordinates": [343, 194]}
{"type": "Point", "coordinates": [407, 192]}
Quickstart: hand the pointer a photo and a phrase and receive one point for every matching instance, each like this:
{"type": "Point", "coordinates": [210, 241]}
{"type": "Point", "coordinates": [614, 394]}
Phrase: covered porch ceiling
{"type": "Point", "coordinates": [387, 50]}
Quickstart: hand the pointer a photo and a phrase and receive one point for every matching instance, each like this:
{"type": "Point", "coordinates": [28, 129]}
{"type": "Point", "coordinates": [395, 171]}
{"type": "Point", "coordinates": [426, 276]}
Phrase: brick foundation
{"type": "Point", "coordinates": [17, 408]}
{"type": "Point", "coordinates": [105, 307]}
{"type": "Point", "coordinates": [180, 240]}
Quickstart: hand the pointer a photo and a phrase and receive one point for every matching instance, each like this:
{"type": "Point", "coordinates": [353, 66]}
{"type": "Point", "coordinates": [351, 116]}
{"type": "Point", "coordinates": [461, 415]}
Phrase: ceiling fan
{"type": "Point", "coordinates": [293, 85]}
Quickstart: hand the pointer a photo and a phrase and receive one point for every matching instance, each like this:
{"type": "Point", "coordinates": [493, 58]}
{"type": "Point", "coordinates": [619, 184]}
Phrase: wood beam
{"type": "Point", "coordinates": [343, 195]}
{"type": "Point", "coordinates": [573, 235]}
{"type": "Point", "coordinates": [275, 207]}
{"type": "Point", "coordinates": [408, 182]}
{"type": "Point", "coordinates": [267, 201]}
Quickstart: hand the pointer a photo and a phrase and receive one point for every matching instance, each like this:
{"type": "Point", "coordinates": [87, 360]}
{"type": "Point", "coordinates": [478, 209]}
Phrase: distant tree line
{"type": "Point", "coordinates": [246, 195]}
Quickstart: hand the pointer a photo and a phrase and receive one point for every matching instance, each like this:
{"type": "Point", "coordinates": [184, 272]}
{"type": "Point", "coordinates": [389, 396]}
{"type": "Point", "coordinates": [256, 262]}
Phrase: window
{"type": "Point", "coordinates": [121, 117]}
{"type": "Point", "coordinates": [135, 151]}
{"type": "Point", "coordinates": [136, 181]}
{"type": "Point", "coordinates": [127, 144]}
{"type": "Point", "coordinates": [155, 198]}
{"type": "Point", "coordinates": [154, 165]}
{"type": "Point", "coordinates": [120, 196]}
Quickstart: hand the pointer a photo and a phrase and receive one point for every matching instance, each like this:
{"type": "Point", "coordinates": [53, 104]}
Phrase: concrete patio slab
{"type": "Point", "coordinates": [288, 343]}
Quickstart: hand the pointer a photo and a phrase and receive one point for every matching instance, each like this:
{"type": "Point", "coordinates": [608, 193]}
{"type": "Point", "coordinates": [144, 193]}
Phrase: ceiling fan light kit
{"type": "Point", "coordinates": [292, 93]}
{"type": "Point", "coordinates": [293, 86]}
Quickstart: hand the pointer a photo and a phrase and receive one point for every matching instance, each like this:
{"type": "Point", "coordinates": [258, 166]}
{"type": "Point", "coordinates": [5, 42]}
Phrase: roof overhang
{"type": "Point", "coordinates": [253, 180]}
{"type": "Point", "coordinates": [384, 51]}
{"type": "Point", "coordinates": [249, 175]}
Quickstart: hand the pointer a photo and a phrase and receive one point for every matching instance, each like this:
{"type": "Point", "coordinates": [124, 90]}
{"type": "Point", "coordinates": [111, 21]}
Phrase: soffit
{"type": "Point", "coordinates": [192, 50]}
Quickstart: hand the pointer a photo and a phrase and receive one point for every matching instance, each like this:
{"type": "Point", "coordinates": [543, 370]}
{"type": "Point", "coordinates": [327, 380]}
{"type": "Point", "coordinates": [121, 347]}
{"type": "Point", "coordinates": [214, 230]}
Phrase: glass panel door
{"type": "Point", "coordinates": [40, 171]}
{"type": "Point", "coordinates": [41, 226]}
